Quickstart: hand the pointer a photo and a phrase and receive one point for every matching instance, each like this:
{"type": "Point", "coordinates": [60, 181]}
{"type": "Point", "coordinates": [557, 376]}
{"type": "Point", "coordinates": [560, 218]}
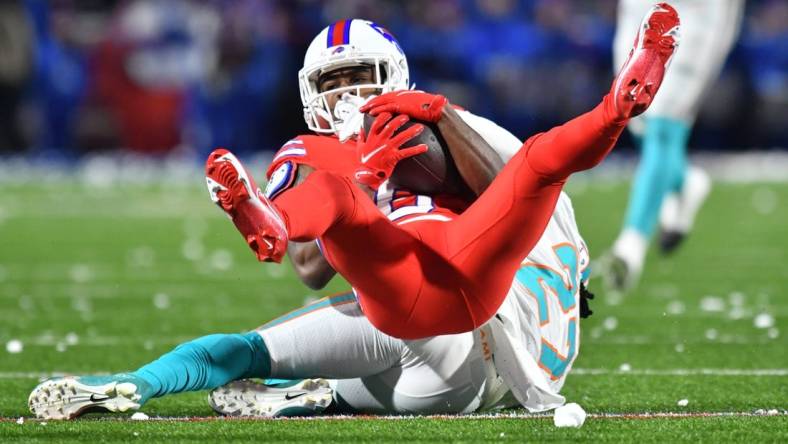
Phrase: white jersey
{"type": "Point", "coordinates": [536, 331]}
{"type": "Point", "coordinates": [708, 30]}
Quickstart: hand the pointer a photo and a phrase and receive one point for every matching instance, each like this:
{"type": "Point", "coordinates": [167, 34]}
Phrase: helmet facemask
{"type": "Point", "coordinates": [345, 120]}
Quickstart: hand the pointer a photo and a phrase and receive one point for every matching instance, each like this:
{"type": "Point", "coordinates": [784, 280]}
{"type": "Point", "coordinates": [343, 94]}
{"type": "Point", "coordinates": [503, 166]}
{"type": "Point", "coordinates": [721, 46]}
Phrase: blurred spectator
{"type": "Point", "coordinates": [154, 75]}
{"type": "Point", "coordinates": [16, 54]}
{"type": "Point", "coordinates": [236, 103]}
{"type": "Point", "coordinates": [766, 47]}
{"type": "Point", "coordinates": [142, 70]}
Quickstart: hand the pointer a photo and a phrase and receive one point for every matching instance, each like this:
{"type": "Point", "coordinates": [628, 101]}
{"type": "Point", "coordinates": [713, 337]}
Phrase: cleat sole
{"type": "Point", "coordinates": [235, 192]}
{"type": "Point", "coordinates": [67, 398]}
{"type": "Point", "coordinates": [251, 399]}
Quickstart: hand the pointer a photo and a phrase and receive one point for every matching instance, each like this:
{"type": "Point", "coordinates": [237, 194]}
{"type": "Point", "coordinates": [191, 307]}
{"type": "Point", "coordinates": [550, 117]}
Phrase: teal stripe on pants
{"type": "Point", "coordinates": [323, 303]}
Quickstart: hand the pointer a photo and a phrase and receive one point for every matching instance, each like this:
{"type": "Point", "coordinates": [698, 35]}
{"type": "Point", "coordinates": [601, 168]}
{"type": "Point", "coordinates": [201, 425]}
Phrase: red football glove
{"type": "Point", "coordinates": [379, 152]}
{"type": "Point", "coordinates": [416, 104]}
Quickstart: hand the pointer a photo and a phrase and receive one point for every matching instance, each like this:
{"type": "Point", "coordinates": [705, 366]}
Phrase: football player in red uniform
{"type": "Point", "coordinates": [447, 269]}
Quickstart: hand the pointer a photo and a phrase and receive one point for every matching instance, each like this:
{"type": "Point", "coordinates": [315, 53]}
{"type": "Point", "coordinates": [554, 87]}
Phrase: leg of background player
{"type": "Point", "coordinates": [708, 31]}
{"type": "Point", "coordinates": [680, 207]}
{"type": "Point", "coordinates": [660, 171]}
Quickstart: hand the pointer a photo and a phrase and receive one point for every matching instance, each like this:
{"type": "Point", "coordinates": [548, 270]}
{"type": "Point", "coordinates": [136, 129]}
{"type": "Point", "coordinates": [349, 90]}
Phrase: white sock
{"type": "Point", "coordinates": [696, 188]}
{"type": "Point", "coordinates": [678, 210]}
{"type": "Point", "coordinates": [669, 212]}
{"type": "Point", "coordinates": [631, 247]}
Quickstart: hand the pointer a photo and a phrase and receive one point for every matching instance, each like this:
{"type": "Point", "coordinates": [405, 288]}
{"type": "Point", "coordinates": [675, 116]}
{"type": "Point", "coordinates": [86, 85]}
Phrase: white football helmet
{"type": "Point", "coordinates": [343, 44]}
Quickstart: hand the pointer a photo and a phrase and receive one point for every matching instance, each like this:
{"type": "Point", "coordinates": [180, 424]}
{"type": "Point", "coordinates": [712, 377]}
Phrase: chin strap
{"type": "Point", "coordinates": [350, 119]}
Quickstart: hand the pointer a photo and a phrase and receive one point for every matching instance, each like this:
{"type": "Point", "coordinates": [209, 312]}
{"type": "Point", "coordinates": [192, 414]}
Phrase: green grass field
{"type": "Point", "coordinates": [104, 279]}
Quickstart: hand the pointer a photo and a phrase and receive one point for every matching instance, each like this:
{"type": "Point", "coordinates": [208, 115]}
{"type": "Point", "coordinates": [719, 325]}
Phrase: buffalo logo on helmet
{"type": "Point", "coordinates": [386, 34]}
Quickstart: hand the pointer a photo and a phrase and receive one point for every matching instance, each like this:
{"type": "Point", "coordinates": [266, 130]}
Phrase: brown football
{"type": "Point", "coordinates": [429, 173]}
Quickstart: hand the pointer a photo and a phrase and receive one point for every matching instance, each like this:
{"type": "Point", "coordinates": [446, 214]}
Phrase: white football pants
{"type": "Point", "coordinates": [376, 373]}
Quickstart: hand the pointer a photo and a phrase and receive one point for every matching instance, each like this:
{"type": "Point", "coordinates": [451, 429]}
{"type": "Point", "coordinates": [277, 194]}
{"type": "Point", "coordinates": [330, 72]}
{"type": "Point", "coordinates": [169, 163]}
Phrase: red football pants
{"type": "Point", "coordinates": [428, 278]}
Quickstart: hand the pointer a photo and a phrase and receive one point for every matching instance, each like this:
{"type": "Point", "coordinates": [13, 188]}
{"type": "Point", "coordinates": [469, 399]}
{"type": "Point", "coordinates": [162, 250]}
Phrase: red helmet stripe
{"type": "Point", "coordinates": [339, 33]}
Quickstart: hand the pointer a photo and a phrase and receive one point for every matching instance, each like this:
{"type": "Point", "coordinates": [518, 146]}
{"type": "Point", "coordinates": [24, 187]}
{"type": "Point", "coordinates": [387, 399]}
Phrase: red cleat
{"type": "Point", "coordinates": [232, 188]}
{"type": "Point", "coordinates": [642, 74]}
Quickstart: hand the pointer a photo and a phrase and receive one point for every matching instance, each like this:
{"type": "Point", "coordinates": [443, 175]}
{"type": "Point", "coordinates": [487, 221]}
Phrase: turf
{"type": "Point", "coordinates": [104, 278]}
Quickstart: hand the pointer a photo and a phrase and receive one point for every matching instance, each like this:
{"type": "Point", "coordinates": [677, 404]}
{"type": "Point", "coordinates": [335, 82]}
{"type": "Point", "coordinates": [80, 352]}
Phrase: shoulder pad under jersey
{"type": "Point", "coordinates": [319, 152]}
{"type": "Point", "coordinates": [293, 150]}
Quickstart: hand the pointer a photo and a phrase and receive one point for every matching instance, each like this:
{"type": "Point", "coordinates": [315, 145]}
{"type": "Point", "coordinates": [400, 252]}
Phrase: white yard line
{"type": "Point", "coordinates": [482, 416]}
{"type": "Point", "coordinates": [578, 372]}
{"type": "Point", "coordinates": [84, 340]}
{"type": "Point", "coordinates": [100, 341]}
{"type": "Point", "coordinates": [683, 372]}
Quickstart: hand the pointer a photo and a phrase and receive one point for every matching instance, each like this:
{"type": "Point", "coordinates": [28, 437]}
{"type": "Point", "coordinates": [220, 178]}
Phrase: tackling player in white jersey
{"type": "Point", "coordinates": [521, 357]}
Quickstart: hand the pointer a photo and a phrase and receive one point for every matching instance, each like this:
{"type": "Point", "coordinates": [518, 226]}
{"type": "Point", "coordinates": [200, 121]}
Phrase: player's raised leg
{"type": "Point", "coordinates": [323, 201]}
{"type": "Point", "coordinates": [484, 245]}
{"type": "Point", "coordinates": [584, 141]}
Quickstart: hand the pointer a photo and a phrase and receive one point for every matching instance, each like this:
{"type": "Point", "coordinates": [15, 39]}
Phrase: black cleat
{"type": "Point", "coordinates": [670, 240]}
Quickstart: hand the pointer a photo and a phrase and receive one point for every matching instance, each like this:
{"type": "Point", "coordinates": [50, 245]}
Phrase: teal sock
{"type": "Point", "coordinates": [661, 169]}
{"type": "Point", "coordinates": [206, 363]}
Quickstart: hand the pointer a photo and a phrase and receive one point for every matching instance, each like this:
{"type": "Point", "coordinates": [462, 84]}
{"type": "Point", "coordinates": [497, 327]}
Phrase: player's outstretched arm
{"type": "Point", "coordinates": [310, 265]}
{"type": "Point", "coordinates": [476, 160]}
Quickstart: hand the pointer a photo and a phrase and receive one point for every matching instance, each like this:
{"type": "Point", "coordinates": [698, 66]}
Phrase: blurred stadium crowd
{"type": "Point", "coordinates": [159, 76]}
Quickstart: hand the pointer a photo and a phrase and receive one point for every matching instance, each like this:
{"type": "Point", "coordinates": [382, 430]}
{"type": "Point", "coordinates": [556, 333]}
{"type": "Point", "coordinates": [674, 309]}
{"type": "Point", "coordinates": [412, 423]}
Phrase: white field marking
{"type": "Point", "coordinates": [458, 417]}
{"type": "Point", "coordinates": [93, 214]}
{"type": "Point", "coordinates": [99, 291]}
{"type": "Point", "coordinates": [111, 286]}
{"type": "Point", "coordinates": [755, 338]}
{"type": "Point", "coordinates": [578, 371]}
{"type": "Point", "coordinates": [100, 341]}
{"type": "Point", "coordinates": [683, 372]}
{"type": "Point", "coordinates": [110, 341]}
